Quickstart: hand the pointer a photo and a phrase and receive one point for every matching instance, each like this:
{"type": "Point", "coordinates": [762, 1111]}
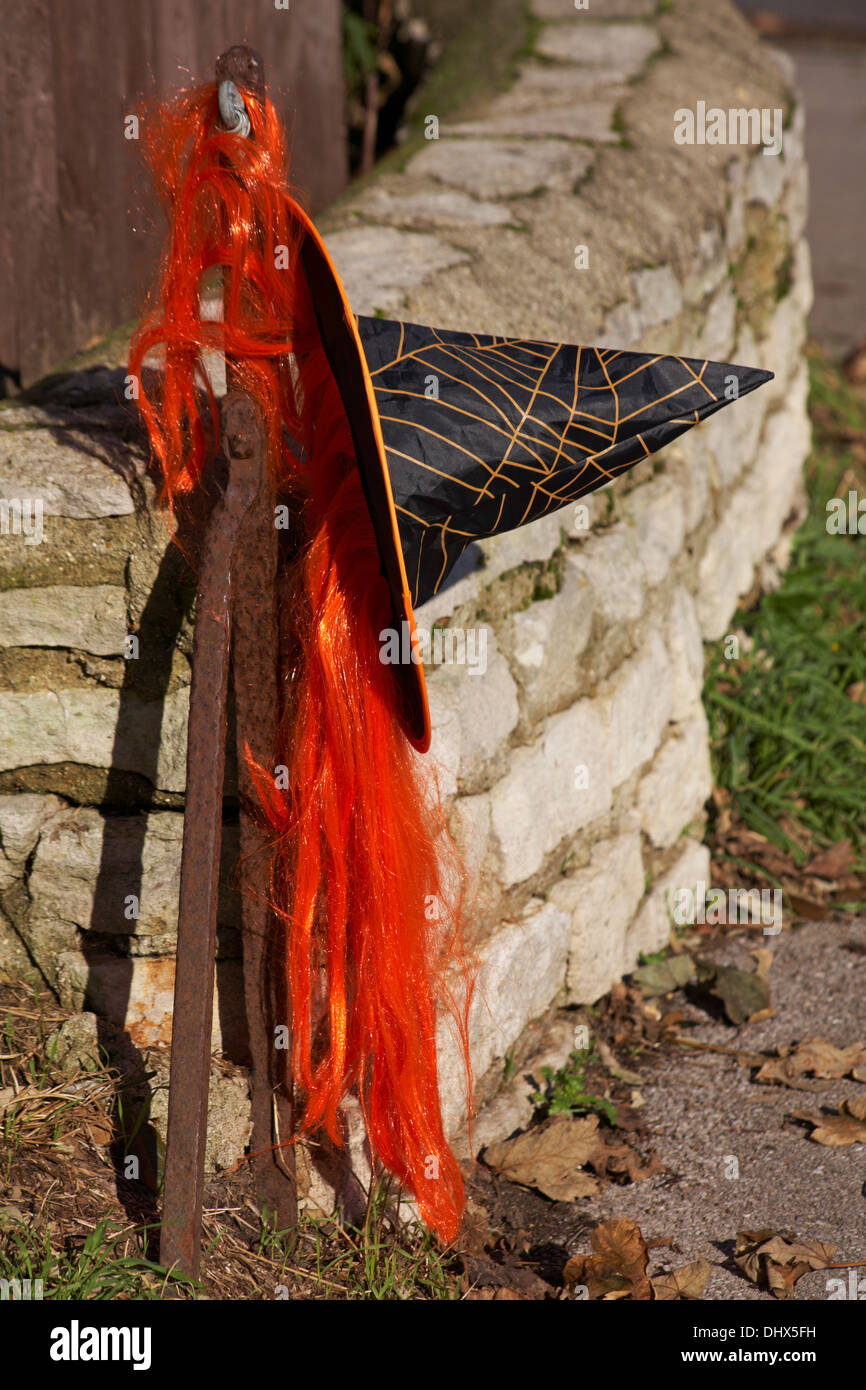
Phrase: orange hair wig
{"type": "Point", "coordinates": [363, 874]}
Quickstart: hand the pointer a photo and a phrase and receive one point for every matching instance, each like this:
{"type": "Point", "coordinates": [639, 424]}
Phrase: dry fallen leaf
{"type": "Point", "coordinates": [847, 1126]}
{"type": "Point", "coordinates": [623, 1159]}
{"type": "Point", "coordinates": [832, 862]}
{"type": "Point", "coordinates": [745, 994]}
{"type": "Point", "coordinates": [551, 1157]}
{"type": "Point", "coordinates": [689, 1281]}
{"type": "Point", "coordinates": [777, 1260]}
{"type": "Point", "coordinates": [815, 1057]}
{"type": "Point", "coordinates": [763, 960]}
{"type": "Point", "coordinates": [807, 907]}
{"type": "Point", "coordinates": [856, 1107]}
{"type": "Point", "coordinates": [616, 1266]}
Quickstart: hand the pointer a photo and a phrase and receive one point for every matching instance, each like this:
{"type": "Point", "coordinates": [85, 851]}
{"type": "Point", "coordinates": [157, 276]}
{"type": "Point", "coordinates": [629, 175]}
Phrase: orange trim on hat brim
{"type": "Point", "coordinates": [403, 601]}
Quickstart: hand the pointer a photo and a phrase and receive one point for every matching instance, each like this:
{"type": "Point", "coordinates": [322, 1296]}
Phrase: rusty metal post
{"type": "Point", "coordinates": [236, 608]}
{"type": "Point", "coordinates": [254, 666]}
{"type": "Point", "coordinates": [254, 669]}
{"type": "Point", "coordinates": [192, 1023]}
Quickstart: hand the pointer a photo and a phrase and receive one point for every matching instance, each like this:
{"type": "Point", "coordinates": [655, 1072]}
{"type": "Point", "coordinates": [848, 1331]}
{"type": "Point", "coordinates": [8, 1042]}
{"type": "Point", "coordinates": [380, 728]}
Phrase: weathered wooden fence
{"type": "Point", "coordinates": [78, 232]}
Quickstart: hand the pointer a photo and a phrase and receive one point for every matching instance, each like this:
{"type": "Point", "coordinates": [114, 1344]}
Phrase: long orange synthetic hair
{"type": "Point", "coordinates": [363, 874]}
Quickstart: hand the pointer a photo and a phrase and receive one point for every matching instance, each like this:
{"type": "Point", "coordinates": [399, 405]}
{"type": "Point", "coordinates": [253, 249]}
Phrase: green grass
{"type": "Point", "coordinates": [788, 743]}
{"type": "Point", "coordinates": [384, 1260]}
{"type": "Point", "coordinates": [567, 1090]}
{"type": "Point", "coordinates": [98, 1268]}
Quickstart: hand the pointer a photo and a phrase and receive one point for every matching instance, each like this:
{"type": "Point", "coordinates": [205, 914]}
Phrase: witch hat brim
{"type": "Point", "coordinates": [459, 436]}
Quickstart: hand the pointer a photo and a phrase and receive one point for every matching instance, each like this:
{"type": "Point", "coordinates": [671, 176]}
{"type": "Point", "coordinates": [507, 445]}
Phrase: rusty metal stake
{"type": "Point", "coordinates": [200, 862]}
{"type": "Point", "coordinates": [254, 667]}
{"type": "Point", "coordinates": [236, 605]}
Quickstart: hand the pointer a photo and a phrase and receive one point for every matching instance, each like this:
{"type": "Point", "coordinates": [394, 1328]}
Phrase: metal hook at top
{"type": "Point", "coordinates": [239, 71]}
{"type": "Point", "coordinates": [233, 111]}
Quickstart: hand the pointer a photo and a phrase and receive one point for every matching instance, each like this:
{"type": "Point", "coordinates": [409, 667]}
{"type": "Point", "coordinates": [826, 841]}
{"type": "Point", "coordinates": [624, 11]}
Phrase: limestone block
{"type": "Point", "coordinates": [89, 619]}
{"type": "Point", "coordinates": [656, 513]}
{"type": "Point", "coordinates": [470, 826]}
{"type": "Point", "coordinates": [658, 294]}
{"type": "Point", "coordinates": [683, 640]}
{"type": "Point", "coordinates": [766, 177]}
{"type": "Point", "coordinates": [74, 1046]}
{"type": "Point", "coordinates": [735, 223]}
{"type": "Point", "coordinates": [795, 204]}
{"type": "Point", "coordinates": [619, 48]}
{"type": "Point", "coordinates": [586, 119]}
{"type": "Point", "coordinates": [651, 928]}
{"type": "Point", "coordinates": [781, 350]}
{"type": "Point", "coordinates": [546, 640]}
{"type": "Point", "coordinates": [634, 707]}
{"type": "Point", "coordinates": [500, 168]}
{"type": "Point", "coordinates": [78, 725]}
{"type": "Point", "coordinates": [472, 714]}
{"type": "Point", "coordinates": [732, 434]}
{"type": "Point", "coordinates": [86, 866]}
{"type": "Point", "coordinates": [601, 9]}
{"type": "Point", "coordinates": [521, 969]}
{"type": "Point", "coordinates": [611, 562]}
{"type": "Point", "coordinates": [709, 269]}
{"type": "Point", "coordinates": [717, 337]}
{"type": "Point", "coordinates": [377, 265]}
{"type": "Point", "coordinates": [21, 818]}
{"type": "Point", "coordinates": [443, 604]}
{"type": "Point", "coordinates": [689, 462]}
{"type": "Point", "coordinates": [68, 481]}
{"type": "Point", "coordinates": [601, 901]}
{"type": "Point", "coordinates": [754, 513]}
{"type": "Point", "coordinates": [552, 788]}
{"type": "Point", "coordinates": [623, 326]}
{"type": "Point", "coordinates": [435, 207]}
{"type": "Point", "coordinates": [93, 873]}
{"type": "Point", "coordinates": [672, 792]}
{"type": "Point", "coordinates": [137, 994]}
{"type": "Point", "coordinates": [229, 1120]}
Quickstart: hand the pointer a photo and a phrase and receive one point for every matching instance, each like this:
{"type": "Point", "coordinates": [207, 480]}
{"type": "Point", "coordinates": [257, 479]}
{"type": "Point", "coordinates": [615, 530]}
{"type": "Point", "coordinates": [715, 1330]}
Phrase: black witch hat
{"type": "Point", "coordinates": [459, 436]}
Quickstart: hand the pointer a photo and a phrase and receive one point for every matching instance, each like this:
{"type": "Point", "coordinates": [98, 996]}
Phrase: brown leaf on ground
{"type": "Point", "coordinates": [815, 1057]}
{"type": "Point", "coordinates": [745, 994]}
{"type": "Point", "coordinates": [857, 692]}
{"type": "Point", "coordinates": [552, 1156]}
{"type": "Point", "coordinates": [689, 1281]}
{"type": "Point", "coordinates": [483, 1273]}
{"type": "Point", "coordinates": [847, 1126]}
{"type": "Point", "coordinates": [616, 1266]}
{"type": "Point", "coordinates": [775, 1260]}
{"type": "Point", "coordinates": [474, 1229]}
{"type": "Point", "coordinates": [622, 1159]}
{"type": "Point", "coordinates": [763, 961]}
{"type": "Point", "coordinates": [832, 862]}
{"type": "Point", "coordinates": [629, 1019]}
{"type": "Point", "coordinates": [807, 907]}
{"type": "Point", "coordinates": [856, 1107]}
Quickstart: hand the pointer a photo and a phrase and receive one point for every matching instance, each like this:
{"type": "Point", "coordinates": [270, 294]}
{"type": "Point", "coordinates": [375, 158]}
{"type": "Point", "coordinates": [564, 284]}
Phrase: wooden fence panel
{"type": "Point", "coordinates": [79, 232]}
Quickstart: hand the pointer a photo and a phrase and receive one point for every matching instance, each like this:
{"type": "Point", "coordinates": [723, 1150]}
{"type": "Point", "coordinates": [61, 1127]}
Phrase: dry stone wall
{"type": "Point", "coordinates": [576, 765]}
